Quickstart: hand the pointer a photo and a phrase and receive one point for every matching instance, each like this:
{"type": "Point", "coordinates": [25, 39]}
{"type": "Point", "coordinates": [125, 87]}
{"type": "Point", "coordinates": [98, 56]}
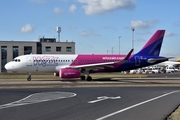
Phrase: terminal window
{"type": "Point", "coordinates": [27, 50]}
{"type": "Point", "coordinates": [3, 58]}
{"type": "Point", "coordinates": [48, 49]}
{"type": "Point", "coordinates": [15, 51]}
{"type": "Point", "coordinates": [68, 49]}
{"type": "Point", "coordinates": [58, 49]}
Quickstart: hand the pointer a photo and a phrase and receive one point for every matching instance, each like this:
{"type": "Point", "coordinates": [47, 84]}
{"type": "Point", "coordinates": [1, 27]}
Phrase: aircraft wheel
{"type": "Point", "coordinates": [89, 78]}
{"type": "Point", "coordinates": [83, 77]}
{"type": "Point", "coordinates": [29, 78]}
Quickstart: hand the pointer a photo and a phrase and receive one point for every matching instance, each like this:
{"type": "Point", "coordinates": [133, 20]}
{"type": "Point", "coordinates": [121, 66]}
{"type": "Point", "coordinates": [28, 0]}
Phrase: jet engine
{"type": "Point", "coordinates": [56, 74]}
{"type": "Point", "coordinates": [68, 73]}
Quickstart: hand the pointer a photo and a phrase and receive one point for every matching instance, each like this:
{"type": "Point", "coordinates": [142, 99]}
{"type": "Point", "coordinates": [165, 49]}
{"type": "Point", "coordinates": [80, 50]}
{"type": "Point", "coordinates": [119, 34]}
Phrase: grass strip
{"type": "Point", "coordinates": [175, 115]}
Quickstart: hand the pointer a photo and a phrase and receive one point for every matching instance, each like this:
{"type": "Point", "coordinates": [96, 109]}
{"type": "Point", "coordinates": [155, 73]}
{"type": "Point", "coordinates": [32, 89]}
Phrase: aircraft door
{"type": "Point", "coordinates": [137, 61]}
{"type": "Point", "coordinates": [29, 61]}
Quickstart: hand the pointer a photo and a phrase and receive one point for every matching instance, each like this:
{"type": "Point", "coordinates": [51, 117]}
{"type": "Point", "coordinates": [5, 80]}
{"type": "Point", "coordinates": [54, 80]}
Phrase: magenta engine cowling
{"type": "Point", "coordinates": [68, 73]}
{"type": "Point", "coordinates": [56, 74]}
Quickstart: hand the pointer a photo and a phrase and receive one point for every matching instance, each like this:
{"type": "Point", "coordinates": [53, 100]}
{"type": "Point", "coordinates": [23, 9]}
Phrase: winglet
{"type": "Point", "coordinates": [126, 57]}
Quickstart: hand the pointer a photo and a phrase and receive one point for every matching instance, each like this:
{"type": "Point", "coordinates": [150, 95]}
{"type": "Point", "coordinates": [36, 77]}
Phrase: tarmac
{"type": "Point", "coordinates": [104, 82]}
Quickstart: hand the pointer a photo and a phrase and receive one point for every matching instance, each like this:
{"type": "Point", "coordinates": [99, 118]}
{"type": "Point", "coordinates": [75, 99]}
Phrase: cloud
{"type": "Point", "coordinates": [169, 34]}
{"type": "Point", "coordinates": [73, 27]}
{"type": "Point", "coordinates": [57, 10]}
{"type": "Point", "coordinates": [93, 7]}
{"type": "Point", "coordinates": [39, 1]}
{"type": "Point", "coordinates": [27, 28]}
{"type": "Point", "coordinates": [143, 24]}
{"type": "Point", "coordinates": [89, 32]}
{"type": "Point", "coordinates": [72, 8]}
{"type": "Point", "coordinates": [177, 23]}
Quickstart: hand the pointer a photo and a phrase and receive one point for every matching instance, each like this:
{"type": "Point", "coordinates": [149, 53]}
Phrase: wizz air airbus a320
{"type": "Point", "coordinates": [81, 65]}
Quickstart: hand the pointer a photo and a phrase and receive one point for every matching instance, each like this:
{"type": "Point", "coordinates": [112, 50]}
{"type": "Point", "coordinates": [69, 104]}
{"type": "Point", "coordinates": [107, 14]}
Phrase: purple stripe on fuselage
{"type": "Point", "coordinates": [95, 59]}
{"type": "Point", "coordinates": [158, 35]}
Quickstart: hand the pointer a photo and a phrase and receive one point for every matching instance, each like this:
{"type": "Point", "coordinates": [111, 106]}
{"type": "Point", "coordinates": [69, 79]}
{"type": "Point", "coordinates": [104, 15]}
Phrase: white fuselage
{"type": "Point", "coordinates": [43, 63]}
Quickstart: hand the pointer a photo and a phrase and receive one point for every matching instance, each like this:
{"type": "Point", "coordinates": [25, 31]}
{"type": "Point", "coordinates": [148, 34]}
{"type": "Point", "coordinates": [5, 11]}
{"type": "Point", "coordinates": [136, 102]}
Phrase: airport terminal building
{"type": "Point", "coordinates": [11, 49]}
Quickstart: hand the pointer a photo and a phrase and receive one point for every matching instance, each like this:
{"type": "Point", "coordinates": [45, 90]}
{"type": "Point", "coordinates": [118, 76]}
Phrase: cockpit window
{"type": "Point", "coordinates": [16, 60]}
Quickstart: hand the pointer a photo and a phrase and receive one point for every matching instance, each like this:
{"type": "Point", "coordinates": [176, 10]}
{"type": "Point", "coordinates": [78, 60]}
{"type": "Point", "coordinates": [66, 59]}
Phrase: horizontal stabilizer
{"type": "Point", "coordinates": [153, 60]}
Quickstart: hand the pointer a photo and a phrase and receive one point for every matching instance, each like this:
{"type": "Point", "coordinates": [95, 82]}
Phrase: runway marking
{"type": "Point", "coordinates": [103, 98]}
{"type": "Point", "coordinates": [39, 97]}
{"type": "Point", "coordinates": [122, 110]}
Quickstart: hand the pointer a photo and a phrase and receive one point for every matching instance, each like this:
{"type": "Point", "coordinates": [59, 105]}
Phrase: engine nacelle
{"type": "Point", "coordinates": [69, 73]}
{"type": "Point", "coordinates": [56, 74]}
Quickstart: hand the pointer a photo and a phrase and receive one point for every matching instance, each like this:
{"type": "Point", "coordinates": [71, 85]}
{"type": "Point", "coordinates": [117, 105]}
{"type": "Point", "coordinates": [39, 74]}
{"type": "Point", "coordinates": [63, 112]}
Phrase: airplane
{"type": "Point", "coordinates": [82, 65]}
{"type": "Point", "coordinates": [178, 60]}
{"type": "Point", "coordinates": [169, 63]}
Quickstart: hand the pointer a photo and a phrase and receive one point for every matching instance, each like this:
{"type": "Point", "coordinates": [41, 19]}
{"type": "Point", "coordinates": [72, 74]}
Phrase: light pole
{"type": "Point", "coordinates": [119, 44]}
{"type": "Point", "coordinates": [112, 50]}
{"type": "Point", "coordinates": [133, 29]}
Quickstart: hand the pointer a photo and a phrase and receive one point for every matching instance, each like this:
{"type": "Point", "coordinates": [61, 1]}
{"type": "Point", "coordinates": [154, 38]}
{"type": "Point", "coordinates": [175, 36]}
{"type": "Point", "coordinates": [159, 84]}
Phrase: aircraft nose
{"type": "Point", "coordinates": [8, 66]}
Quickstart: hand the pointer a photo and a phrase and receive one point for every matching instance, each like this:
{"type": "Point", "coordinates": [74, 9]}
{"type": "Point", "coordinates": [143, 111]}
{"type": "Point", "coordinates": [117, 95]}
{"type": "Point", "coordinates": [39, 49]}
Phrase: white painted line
{"type": "Point", "coordinates": [103, 98]}
{"type": "Point", "coordinates": [39, 97]}
{"type": "Point", "coordinates": [117, 112]}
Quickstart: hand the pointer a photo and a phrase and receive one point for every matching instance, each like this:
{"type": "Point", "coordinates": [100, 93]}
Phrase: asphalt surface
{"type": "Point", "coordinates": [120, 103]}
{"type": "Point", "coordinates": [151, 98]}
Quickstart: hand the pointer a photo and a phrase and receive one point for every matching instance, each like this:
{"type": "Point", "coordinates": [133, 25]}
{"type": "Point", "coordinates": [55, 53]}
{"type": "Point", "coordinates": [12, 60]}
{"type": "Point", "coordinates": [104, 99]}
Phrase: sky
{"type": "Point", "coordinates": [96, 26]}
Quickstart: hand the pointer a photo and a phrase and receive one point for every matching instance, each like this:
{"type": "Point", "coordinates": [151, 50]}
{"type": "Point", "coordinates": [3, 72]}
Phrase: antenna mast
{"type": "Point", "coordinates": [58, 31]}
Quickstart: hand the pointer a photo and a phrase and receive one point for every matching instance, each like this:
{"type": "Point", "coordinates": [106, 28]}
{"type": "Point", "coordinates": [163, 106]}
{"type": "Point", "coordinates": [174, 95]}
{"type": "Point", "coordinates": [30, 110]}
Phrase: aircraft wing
{"type": "Point", "coordinates": [102, 65]}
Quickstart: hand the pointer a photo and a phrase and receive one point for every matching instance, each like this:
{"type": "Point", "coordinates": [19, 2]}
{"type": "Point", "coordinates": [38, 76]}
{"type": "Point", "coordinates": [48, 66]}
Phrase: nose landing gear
{"type": "Point", "coordinates": [29, 77]}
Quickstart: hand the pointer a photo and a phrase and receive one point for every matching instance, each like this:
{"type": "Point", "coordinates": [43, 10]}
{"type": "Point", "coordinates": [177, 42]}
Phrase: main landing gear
{"type": "Point", "coordinates": [29, 77]}
{"type": "Point", "coordinates": [85, 72]}
{"type": "Point", "coordinates": [89, 78]}
{"type": "Point", "coordinates": [83, 77]}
